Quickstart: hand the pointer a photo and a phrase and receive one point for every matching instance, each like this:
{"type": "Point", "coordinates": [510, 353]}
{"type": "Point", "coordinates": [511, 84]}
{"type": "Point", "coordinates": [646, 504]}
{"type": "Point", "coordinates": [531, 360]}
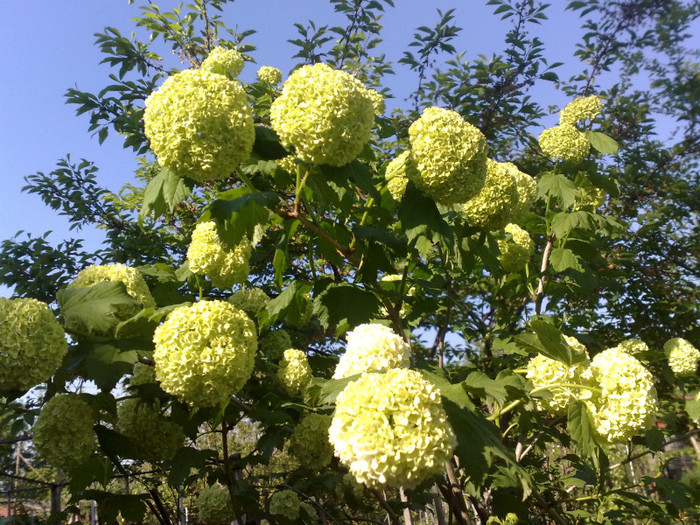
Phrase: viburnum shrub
{"type": "Point", "coordinates": [324, 300]}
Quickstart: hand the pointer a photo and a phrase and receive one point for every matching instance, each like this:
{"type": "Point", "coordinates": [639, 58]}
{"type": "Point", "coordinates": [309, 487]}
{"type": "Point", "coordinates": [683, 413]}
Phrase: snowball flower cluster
{"type": "Point", "coordinates": [154, 436]}
{"type": "Point", "coordinates": [527, 194]}
{"type": "Point", "coordinates": [633, 346]}
{"type": "Point", "coordinates": [397, 174]}
{"type": "Point", "coordinates": [200, 124]}
{"type": "Point", "coordinates": [450, 156]}
{"type": "Point", "coordinates": [591, 197]}
{"type": "Point", "coordinates": [516, 250]}
{"type": "Point", "coordinates": [325, 114]}
{"type": "Point", "coordinates": [493, 206]}
{"type": "Point", "coordinates": [294, 371]}
{"type": "Point", "coordinates": [32, 343]}
{"type": "Point", "coordinates": [250, 300]}
{"type": "Point", "coordinates": [309, 443]}
{"type": "Point", "coordinates": [224, 61]}
{"type": "Point", "coordinates": [682, 356]}
{"type": "Point", "coordinates": [205, 352]}
{"type": "Point", "coordinates": [63, 432]}
{"type": "Point", "coordinates": [564, 142]}
{"type": "Point", "coordinates": [214, 506]}
{"type": "Point", "coordinates": [207, 256]}
{"type": "Point", "coordinates": [580, 109]}
{"type": "Point", "coordinates": [626, 404]}
{"type": "Point", "coordinates": [285, 503]}
{"type": "Point", "coordinates": [557, 378]}
{"type": "Point", "coordinates": [273, 344]}
{"type": "Point", "coordinates": [372, 347]}
{"type": "Point", "coordinates": [377, 101]}
{"type": "Point", "coordinates": [391, 429]}
{"type": "Point", "coordinates": [270, 75]}
{"type": "Point", "coordinates": [136, 287]}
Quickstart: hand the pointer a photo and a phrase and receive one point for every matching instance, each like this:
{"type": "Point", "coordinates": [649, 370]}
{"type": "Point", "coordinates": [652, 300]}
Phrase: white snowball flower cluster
{"type": "Point", "coordinates": [372, 347]}
{"type": "Point", "coordinates": [294, 371]}
{"type": "Point", "coordinates": [682, 356]}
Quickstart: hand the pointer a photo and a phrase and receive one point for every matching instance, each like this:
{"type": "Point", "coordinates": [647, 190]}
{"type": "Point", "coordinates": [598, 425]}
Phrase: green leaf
{"type": "Point", "coordinates": [346, 305]}
{"type": "Point", "coordinates": [479, 384]}
{"type": "Point", "coordinates": [601, 142]}
{"type": "Point", "coordinates": [563, 259]}
{"type": "Point", "coordinates": [96, 309]}
{"type": "Point", "coordinates": [419, 216]}
{"type": "Point", "coordinates": [131, 506]}
{"type": "Point", "coordinates": [564, 222]}
{"type": "Point", "coordinates": [580, 428]}
{"type": "Point", "coordinates": [106, 363]}
{"type": "Point", "coordinates": [331, 389]}
{"type": "Point", "coordinates": [115, 444]}
{"type": "Point", "coordinates": [267, 144]}
{"type": "Point", "coordinates": [558, 186]}
{"type": "Point", "coordinates": [692, 407]}
{"type": "Point", "coordinates": [144, 322]}
{"type": "Point", "coordinates": [292, 302]}
{"type": "Point", "coordinates": [548, 341]}
{"type": "Point", "coordinates": [186, 459]}
{"type": "Point", "coordinates": [675, 492]}
{"type": "Point", "coordinates": [381, 236]}
{"type": "Point", "coordinates": [163, 192]}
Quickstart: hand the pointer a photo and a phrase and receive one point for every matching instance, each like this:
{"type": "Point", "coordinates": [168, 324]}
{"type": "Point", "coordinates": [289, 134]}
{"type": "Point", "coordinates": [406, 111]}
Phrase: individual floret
{"type": "Point", "coordinates": [32, 343]}
{"type": "Point", "coordinates": [372, 347]}
{"type": "Point", "coordinates": [214, 506]}
{"type": "Point", "coordinates": [450, 156]}
{"type": "Point", "coordinates": [309, 443]}
{"type": "Point", "coordinates": [200, 125]}
{"type": "Point", "coordinates": [325, 114]}
{"type": "Point", "coordinates": [63, 432]}
{"type": "Point", "coordinates": [207, 256]}
{"type": "Point", "coordinates": [294, 371]}
{"type": "Point", "coordinates": [558, 378]}
{"type": "Point", "coordinates": [273, 344]}
{"type": "Point", "coordinates": [224, 61]}
{"type": "Point", "coordinates": [682, 356]}
{"type": "Point", "coordinates": [205, 352]}
{"type": "Point", "coordinates": [285, 504]}
{"type": "Point", "coordinates": [564, 142]}
{"type": "Point", "coordinates": [493, 207]}
{"type": "Point", "coordinates": [625, 403]}
{"type": "Point", "coordinates": [397, 174]}
{"type": "Point", "coordinates": [391, 429]}
{"type": "Point", "coordinates": [154, 436]}
{"type": "Point", "coordinates": [250, 300]}
{"type": "Point", "coordinates": [270, 75]}
{"type": "Point", "coordinates": [580, 109]}
{"type": "Point", "coordinates": [516, 250]}
{"type": "Point", "coordinates": [136, 287]}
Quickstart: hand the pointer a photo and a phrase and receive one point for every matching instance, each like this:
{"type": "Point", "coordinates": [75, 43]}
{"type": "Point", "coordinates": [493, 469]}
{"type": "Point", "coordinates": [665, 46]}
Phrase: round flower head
{"type": "Point", "coordinates": [633, 346]}
{"type": "Point", "coordinates": [493, 207]}
{"type": "Point", "coordinates": [377, 101]}
{"type": "Point", "coordinates": [273, 344]}
{"type": "Point", "coordinates": [576, 345]}
{"type": "Point", "coordinates": [391, 429]}
{"type": "Point", "coordinates": [527, 193]}
{"type": "Point", "coordinates": [564, 142]}
{"type": "Point", "coordinates": [223, 61]}
{"type": "Point", "coordinates": [205, 352]}
{"type": "Point", "coordinates": [207, 256]}
{"type": "Point", "coordinates": [214, 504]}
{"type": "Point", "coordinates": [589, 197]}
{"type": "Point", "coordinates": [142, 375]}
{"type": "Point", "coordinates": [154, 436]}
{"type": "Point", "coordinates": [250, 300]}
{"type": "Point", "coordinates": [294, 371]}
{"type": "Point", "coordinates": [626, 404]}
{"type": "Point", "coordinates": [63, 432]}
{"type": "Point", "coordinates": [580, 109]}
{"type": "Point", "coordinates": [397, 174]}
{"type": "Point", "coordinates": [32, 343]}
{"type": "Point", "coordinates": [548, 373]}
{"type": "Point", "coordinates": [285, 504]}
{"type": "Point", "coordinates": [136, 287]}
{"type": "Point", "coordinates": [326, 115]}
{"type": "Point", "coordinates": [309, 443]}
{"type": "Point", "coordinates": [372, 347]}
{"type": "Point", "coordinates": [200, 125]}
{"type": "Point", "coordinates": [516, 250]}
{"type": "Point", "coordinates": [270, 75]}
{"type": "Point", "coordinates": [682, 356]}
{"type": "Point", "coordinates": [450, 156]}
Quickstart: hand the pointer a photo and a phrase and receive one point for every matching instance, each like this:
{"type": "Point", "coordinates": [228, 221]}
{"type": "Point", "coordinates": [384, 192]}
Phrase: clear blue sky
{"type": "Point", "coordinates": [48, 46]}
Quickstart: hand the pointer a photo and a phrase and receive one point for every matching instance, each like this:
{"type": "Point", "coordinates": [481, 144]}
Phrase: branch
{"type": "Point", "coordinates": [539, 295]}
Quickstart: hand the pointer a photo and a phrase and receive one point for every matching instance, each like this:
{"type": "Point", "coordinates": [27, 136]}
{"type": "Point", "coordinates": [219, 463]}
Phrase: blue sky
{"type": "Point", "coordinates": [48, 46]}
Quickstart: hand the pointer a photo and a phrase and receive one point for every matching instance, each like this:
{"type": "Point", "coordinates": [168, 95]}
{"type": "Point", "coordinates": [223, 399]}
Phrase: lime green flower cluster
{"type": "Point", "coordinates": [577, 346]}
{"type": "Point", "coordinates": [397, 174]}
{"type": "Point", "coordinates": [377, 101]}
{"type": "Point", "coordinates": [626, 404]}
{"type": "Point", "coordinates": [682, 356]}
{"type": "Point", "coordinates": [326, 115]}
{"type": "Point", "coordinates": [294, 371]}
{"type": "Point", "coordinates": [285, 504]}
{"type": "Point", "coordinates": [372, 347]}
{"type": "Point", "coordinates": [516, 250]}
{"type": "Point", "coordinates": [270, 75]}
{"type": "Point", "coordinates": [589, 197]}
{"type": "Point", "coordinates": [527, 194]}
{"type": "Point", "coordinates": [391, 429]}
{"type": "Point", "coordinates": [250, 300]}
{"type": "Point", "coordinates": [449, 154]}
{"type": "Point", "coordinates": [200, 124]}
{"type": "Point", "coordinates": [63, 432]}
{"type": "Point", "coordinates": [273, 344]}
{"type": "Point", "coordinates": [32, 343]}
{"type": "Point", "coordinates": [633, 346]}
{"type": "Point", "coordinates": [142, 374]}
{"type": "Point", "coordinates": [214, 506]}
{"type": "Point", "coordinates": [548, 373]}
{"type": "Point", "coordinates": [205, 352]}
{"type": "Point", "coordinates": [207, 256]}
{"type": "Point", "coordinates": [492, 208]}
{"type": "Point", "coordinates": [154, 436]}
{"type": "Point", "coordinates": [309, 443]}
{"type": "Point", "coordinates": [136, 287]}
{"type": "Point", "coordinates": [580, 109]}
{"type": "Point", "coordinates": [564, 142]}
{"type": "Point", "coordinates": [228, 62]}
